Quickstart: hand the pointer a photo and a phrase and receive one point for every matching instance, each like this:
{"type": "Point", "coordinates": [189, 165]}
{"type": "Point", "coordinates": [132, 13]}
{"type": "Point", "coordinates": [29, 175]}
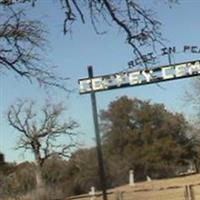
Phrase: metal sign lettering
{"type": "Point", "coordinates": [150, 57]}
{"type": "Point", "coordinates": [140, 77]}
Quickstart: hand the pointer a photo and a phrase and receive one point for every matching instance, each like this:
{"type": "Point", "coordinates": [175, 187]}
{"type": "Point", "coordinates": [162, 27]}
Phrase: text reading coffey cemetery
{"type": "Point", "coordinates": [140, 77]}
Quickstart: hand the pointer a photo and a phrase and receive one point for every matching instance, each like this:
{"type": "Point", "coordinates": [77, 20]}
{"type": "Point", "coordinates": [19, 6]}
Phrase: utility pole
{"type": "Point", "coordinates": [98, 138]}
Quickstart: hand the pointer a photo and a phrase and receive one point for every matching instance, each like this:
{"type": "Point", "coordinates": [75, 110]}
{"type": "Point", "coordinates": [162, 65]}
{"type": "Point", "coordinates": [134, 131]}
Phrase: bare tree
{"type": "Point", "coordinates": [192, 95]}
{"type": "Point", "coordinates": [140, 25]}
{"type": "Point", "coordinates": [40, 132]}
{"type": "Point", "coordinates": [192, 100]}
{"type": "Point", "coordinates": [21, 46]}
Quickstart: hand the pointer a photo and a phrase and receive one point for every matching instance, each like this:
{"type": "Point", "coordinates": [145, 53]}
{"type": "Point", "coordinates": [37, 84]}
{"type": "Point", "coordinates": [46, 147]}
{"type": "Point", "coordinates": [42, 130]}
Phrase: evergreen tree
{"type": "Point", "coordinates": [145, 137]}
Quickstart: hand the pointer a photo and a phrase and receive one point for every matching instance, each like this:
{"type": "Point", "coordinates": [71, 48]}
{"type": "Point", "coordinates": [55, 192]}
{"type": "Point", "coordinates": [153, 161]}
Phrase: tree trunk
{"type": "Point", "coordinates": [39, 180]}
{"type": "Point", "coordinates": [197, 166]}
{"type": "Point", "coordinates": [38, 173]}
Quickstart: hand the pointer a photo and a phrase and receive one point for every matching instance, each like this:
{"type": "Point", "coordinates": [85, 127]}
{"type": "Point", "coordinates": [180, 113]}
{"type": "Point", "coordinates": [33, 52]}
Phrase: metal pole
{"type": "Point", "coordinates": [98, 138]}
{"type": "Point", "coordinates": [169, 58]}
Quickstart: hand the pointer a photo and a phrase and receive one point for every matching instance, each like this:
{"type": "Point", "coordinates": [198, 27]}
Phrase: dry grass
{"type": "Point", "coordinates": [174, 188]}
{"type": "Point", "coordinates": [41, 194]}
{"type": "Point", "coordinates": [162, 184]}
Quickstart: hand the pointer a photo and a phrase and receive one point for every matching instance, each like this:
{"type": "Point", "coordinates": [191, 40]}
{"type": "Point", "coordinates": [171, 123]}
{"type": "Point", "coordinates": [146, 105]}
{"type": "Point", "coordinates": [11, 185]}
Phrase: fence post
{"type": "Point", "coordinates": [189, 193]}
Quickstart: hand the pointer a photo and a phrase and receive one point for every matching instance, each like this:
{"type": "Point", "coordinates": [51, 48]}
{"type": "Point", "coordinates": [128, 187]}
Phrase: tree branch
{"type": "Point", "coordinates": [39, 133]}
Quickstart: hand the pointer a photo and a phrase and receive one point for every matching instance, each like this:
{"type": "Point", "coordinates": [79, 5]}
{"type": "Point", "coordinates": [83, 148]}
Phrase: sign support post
{"type": "Point", "coordinates": [98, 138]}
{"type": "Point", "coordinates": [129, 79]}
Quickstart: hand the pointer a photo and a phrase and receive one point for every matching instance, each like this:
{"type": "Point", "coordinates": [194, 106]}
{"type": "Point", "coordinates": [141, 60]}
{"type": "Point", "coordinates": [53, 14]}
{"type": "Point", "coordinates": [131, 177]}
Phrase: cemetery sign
{"type": "Point", "coordinates": [150, 57]}
{"type": "Point", "coordinates": [140, 77]}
